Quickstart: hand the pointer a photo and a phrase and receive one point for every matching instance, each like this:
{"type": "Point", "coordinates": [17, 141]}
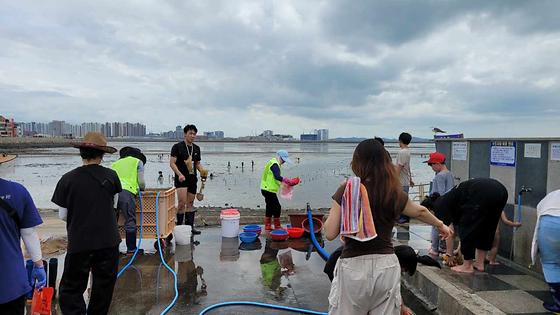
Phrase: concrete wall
{"type": "Point", "coordinates": [533, 168]}
{"type": "Point", "coordinates": [479, 159]}
{"type": "Point", "coordinates": [506, 176]}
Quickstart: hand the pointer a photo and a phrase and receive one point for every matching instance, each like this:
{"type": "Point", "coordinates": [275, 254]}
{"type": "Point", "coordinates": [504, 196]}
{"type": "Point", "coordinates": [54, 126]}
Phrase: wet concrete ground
{"type": "Point", "coordinates": [215, 269]}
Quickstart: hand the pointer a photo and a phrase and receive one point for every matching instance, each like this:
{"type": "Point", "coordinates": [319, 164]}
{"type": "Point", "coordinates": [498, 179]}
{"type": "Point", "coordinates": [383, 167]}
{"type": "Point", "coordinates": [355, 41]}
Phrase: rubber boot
{"type": "Point", "coordinates": [130, 242]}
{"type": "Point", "coordinates": [180, 218]}
{"type": "Point", "coordinates": [554, 307]}
{"type": "Point", "coordinates": [277, 224]}
{"type": "Point", "coordinates": [267, 224]}
{"type": "Point", "coordinates": [189, 219]}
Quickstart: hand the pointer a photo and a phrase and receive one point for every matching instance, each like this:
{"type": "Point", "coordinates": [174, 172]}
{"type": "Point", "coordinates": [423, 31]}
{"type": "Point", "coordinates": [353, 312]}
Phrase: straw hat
{"type": "Point", "coordinates": [6, 157]}
{"type": "Point", "coordinates": [95, 140]}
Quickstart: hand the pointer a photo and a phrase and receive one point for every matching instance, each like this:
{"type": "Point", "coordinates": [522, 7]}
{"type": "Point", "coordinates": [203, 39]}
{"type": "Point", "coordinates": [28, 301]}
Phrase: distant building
{"type": "Point", "coordinates": [214, 134]}
{"type": "Point", "coordinates": [179, 132]}
{"type": "Point", "coordinates": [57, 128]}
{"type": "Point", "coordinates": [322, 134]}
{"type": "Point", "coordinates": [267, 133]}
{"type": "Point", "coordinates": [308, 137]}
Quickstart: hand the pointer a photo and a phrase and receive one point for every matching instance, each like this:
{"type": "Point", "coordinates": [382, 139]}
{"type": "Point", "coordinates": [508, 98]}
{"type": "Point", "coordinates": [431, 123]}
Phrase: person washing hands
{"type": "Point", "coordinates": [270, 185]}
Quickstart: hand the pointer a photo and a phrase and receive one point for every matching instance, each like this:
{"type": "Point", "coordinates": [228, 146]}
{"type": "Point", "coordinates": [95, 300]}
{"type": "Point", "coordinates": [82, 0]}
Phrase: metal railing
{"type": "Point", "coordinates": [419, 192]}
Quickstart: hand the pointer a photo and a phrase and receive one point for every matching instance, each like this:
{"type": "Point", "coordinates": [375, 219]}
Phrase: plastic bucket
{"type": "Point", "coordinates": [182, 234]}
{"type": "Point", "coordinates": [230, 222]}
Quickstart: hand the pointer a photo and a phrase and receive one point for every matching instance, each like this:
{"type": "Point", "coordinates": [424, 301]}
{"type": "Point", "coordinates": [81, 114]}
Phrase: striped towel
{"type": "Point", "coordinates": [356, 216]}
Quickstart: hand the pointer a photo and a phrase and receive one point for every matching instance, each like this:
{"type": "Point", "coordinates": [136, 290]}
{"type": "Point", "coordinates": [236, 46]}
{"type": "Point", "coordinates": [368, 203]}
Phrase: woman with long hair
{"type": "Point", "coordinates": [367, 275]}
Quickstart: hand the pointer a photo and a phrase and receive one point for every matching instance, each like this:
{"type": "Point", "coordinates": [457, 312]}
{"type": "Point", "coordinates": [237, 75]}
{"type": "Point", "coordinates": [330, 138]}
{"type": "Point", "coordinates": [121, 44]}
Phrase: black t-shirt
{"type": "Point", "coordinates": [470, 203]}
{"type": "Point", "coordinates": [88, 194]}
{"type": "Point", "coordinates": [383, 219]}
{"type": "Point", "coordinates": [182, 152]}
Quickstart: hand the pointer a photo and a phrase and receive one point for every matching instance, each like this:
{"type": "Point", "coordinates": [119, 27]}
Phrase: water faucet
{"type": "Point", "coordinates": [525, 189]}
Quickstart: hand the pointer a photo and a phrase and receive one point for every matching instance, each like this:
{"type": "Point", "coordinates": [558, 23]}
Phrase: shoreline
{"type": "Point", "coordinates": [21, 144]}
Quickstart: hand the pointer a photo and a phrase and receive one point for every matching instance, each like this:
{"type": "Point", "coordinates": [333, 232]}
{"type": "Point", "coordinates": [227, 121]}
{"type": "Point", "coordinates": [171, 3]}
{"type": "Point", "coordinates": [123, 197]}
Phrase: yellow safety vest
{"type": "Point", "coordinates": [268, 182]}
{"type": "Point", "coordinates": [127, 169]}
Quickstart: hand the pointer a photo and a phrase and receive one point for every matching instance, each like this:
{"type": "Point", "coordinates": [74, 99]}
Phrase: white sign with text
{"type": "Point", "coordinates": [460, 151]}
{"type": "Point", "coordinates": [532, 150]}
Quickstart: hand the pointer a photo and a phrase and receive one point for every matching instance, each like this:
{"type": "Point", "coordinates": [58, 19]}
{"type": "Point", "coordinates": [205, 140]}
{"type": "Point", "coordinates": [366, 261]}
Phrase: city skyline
{"type": "Point", "coordinates": [117, 129]}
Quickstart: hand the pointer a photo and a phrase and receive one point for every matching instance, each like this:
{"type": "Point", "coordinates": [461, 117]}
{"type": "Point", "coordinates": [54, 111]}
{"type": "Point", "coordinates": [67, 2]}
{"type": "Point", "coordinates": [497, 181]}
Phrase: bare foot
{"type": "Point", "coordinates": [463, 269]}
{"type": "Point", "coordinates": [479, 268]}
{"type": "Point", "coordinates": [432, 253]}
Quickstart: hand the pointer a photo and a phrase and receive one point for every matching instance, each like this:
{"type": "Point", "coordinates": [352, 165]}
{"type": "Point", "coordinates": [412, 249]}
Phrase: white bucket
{"type": "Point", "coordinates": [182, 234]}
{"type": "Point", "coordinates": [230, 222]}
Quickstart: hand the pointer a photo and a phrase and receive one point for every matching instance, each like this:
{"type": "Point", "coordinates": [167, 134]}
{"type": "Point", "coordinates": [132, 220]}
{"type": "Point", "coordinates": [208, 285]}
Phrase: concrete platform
{"type": "Point", "coordinates": [498, 290]}
{"type": "Point", "coordinates": [215, 269]}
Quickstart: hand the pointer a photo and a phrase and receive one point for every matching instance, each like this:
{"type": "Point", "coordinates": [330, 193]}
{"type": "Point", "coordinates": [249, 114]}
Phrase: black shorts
{"type": "Point", "coordinates": [189, 183]}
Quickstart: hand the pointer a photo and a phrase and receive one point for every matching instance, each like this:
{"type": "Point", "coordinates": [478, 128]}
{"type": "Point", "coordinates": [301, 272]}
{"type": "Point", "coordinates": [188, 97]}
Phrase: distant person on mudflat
{"type": "Point", "coordinates": [86, 196]}
{"type": "Point", "coordinates": [474, 207]}
{"type": "Point", "coordinates": [18, 219]}
{"type": "Point", "coordinates": [403, 168]}
{"type": "Point", "coordinates": [185, 162]}
{"type": "Point", "coordinates": [271, 180]}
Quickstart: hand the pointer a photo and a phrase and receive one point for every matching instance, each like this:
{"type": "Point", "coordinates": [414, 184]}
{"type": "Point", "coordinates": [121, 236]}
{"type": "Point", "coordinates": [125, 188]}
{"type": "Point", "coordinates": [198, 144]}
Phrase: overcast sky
{"type": "Point", "coordinates": [358, 68]}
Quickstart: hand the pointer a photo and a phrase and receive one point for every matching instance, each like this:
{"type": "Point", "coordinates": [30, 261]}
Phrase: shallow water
{"type": "Point", "coordinates": [321, 167]}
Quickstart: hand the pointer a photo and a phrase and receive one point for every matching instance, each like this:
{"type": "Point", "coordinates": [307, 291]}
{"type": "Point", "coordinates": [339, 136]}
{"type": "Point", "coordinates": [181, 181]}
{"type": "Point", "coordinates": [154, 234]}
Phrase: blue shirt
{"type": "Point", "coordinates": [14, 281]}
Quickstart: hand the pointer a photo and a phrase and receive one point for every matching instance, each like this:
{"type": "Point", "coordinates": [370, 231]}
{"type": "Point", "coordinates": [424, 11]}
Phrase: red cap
{"type": "Point", "coordinates": [436, 157]}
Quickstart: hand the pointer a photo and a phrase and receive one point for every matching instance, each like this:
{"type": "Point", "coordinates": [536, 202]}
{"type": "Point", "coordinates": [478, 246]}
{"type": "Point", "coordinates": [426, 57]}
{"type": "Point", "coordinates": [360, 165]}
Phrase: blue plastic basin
{"type": "Point", "coordinates": [248, 237]}
{"type": "Point", "coordinates": [279, 232]}
{"type": "Point", "coordinates": [252, 227]}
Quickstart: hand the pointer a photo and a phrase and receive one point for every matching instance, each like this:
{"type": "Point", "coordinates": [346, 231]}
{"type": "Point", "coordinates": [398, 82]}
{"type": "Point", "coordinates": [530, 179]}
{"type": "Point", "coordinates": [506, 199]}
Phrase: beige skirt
{"type": "Point", "coordinates": [369, 284]}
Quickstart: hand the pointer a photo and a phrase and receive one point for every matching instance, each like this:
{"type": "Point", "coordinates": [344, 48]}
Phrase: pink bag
{"type": "Point", "coordinates": [286, 191]}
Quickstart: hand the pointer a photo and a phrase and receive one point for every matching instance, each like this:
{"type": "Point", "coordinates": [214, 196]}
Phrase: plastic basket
{"type": "Point", "coordinates": [167, 212]}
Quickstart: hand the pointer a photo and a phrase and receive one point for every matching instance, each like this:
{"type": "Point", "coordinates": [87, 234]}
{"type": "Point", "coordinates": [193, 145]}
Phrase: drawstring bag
{"type": "Point", "coordinates": [286, 191]}
{"type": "Point", "coordinates": [42, 300]}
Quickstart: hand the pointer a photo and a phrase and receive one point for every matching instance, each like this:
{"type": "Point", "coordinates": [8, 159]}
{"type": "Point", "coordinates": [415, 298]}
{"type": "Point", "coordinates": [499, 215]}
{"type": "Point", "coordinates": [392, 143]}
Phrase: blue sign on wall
{"type": "Point", "coordinates": [503, 153]}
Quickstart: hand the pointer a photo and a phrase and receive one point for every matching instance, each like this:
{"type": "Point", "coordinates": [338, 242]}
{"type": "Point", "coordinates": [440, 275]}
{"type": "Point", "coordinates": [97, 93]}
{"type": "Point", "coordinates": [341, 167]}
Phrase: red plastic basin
{"type": "Point", "coordinates": [295, 232]}
{"type": "Point", "coordinates": [279, 235]}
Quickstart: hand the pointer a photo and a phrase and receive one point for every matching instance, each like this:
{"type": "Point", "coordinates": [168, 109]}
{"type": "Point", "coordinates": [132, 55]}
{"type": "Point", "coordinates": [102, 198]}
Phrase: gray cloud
{"type": "Point", "coordinates": [356, 67]}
